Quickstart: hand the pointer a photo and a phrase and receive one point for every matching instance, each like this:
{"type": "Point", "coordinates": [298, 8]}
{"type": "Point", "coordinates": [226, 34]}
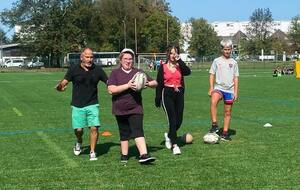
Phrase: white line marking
{"type": "Point", "coordinates": [17, 112]}
{"type": "Point", "coordinates": [69, 162]}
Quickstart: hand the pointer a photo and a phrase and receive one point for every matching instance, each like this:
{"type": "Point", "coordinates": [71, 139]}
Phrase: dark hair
{"type": "Point", "coordinates": [170, 49]}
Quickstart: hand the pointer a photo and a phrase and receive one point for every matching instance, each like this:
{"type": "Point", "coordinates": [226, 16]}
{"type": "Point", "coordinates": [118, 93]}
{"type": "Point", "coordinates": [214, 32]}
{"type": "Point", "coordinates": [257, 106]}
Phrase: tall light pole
{"type": "Point", "coordinates": [124, 24]}
{"type": "Point", "coordinates": [135, 36]}
{"type": "Point", "coordinates": [1, 51]}
{"type": "Point", "coordinates": [167, 32]}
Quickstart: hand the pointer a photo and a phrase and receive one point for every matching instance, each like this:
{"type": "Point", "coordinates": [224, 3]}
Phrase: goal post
{"type": "Point", "coordinates": [150, 61]}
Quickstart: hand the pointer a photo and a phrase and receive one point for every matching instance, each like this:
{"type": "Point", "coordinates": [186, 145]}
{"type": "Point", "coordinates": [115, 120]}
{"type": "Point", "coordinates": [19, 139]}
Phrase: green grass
{"type": "Point", "coordinates": [36, 139]}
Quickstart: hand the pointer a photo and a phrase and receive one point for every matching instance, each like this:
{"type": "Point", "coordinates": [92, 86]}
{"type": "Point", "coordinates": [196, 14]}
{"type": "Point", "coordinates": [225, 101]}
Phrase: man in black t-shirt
{"type": "Point", "coordinates": [85, 106]}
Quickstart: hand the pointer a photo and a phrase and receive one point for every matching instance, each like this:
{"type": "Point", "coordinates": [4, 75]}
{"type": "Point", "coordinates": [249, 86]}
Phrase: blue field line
{"type": "Point", "coordinates": [24, 132]}
{"type": "Point", "coordinates": [274, 119]}
{"type": "Point", "coordinates": [293, 103]}
{"type": "Point", "coordinates": [52, 130]}
{"type": "Point", "coordinates": [191, 123]}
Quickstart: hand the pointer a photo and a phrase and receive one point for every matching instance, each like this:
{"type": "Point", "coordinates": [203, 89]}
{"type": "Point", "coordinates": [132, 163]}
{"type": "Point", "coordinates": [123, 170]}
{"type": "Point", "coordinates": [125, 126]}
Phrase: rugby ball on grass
{"type": "Point", "coordinates": [187, 138]}
{"type": "Point", "coordinates": [211, 138]}
{"type": "Point", "coordinates": [139, 80]}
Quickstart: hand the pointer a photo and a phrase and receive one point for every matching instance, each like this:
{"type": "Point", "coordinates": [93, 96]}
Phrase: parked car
{"type": "Point", "coordinates": [187, 58]}
{"type": "Point", "coordinates": [32, 64]}
{"type": "Point", "coordinates": [14, 63]}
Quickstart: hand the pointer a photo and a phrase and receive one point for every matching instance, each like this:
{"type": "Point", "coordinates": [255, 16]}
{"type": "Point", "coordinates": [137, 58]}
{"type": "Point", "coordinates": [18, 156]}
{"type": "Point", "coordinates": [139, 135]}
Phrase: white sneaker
{"type": "Point", "coordinates": [77, 149]}
{"type": "Point", "coordinates": [168, 141]}
{"type": "Point", "coordinates": [93, 156]}
{"type": "Point", "coordinates": [176, 150]}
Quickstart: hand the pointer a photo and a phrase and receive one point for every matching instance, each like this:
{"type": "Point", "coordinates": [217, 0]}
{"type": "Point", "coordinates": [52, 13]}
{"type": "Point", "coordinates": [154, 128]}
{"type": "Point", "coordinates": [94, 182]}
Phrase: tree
{"type": "Point", "coordinates": [158, 31]}
{"type": "Point", "coordinates": [151, 17]}
{"type": "Point", "coordinates": [294, 32]}
{"type": "Point", "coordinates": [259, 30]}
{"type": "Point", "coordinates": [51, 27]}
{"type": "Point", "coordinates": [204, 40]}
{"type": "Point", "coordinates": [54, 27]}
{"type": "Point", "coordinates": [3, 38]}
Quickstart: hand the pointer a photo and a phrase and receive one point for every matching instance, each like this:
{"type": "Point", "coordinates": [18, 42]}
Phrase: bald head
{"type": "Point", "coordinates": [86, 51]}
{"type": "Point", "coordinates": [86, 57]}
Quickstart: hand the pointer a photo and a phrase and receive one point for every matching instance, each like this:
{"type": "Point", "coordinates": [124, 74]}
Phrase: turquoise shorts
{"type": "Point", "coordinates": [85, 117]}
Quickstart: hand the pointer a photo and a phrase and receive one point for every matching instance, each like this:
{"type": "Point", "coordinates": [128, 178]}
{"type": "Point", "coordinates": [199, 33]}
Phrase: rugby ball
{"type": "Point", "coordinates": [187, 138]}
{"type": "Point", "coordinates": [211, 138]}
{"type": "Point", "coordinates": [139, 80]}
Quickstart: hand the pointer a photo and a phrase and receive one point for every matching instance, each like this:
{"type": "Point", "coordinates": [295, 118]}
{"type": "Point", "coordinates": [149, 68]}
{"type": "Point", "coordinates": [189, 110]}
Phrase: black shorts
{"type": "Point", "coordinates": [130, 126]}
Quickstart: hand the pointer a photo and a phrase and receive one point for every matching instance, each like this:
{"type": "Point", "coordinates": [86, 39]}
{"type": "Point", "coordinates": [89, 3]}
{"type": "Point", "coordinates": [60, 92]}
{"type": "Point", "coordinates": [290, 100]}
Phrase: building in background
{"type": "Point", "coordinates": [234, 30]}
{"type": "Point", "coordinates": [8, 51]}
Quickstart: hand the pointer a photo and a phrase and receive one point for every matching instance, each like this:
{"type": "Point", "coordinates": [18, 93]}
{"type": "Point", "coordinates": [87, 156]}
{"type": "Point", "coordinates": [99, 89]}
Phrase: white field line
{"type": "Point", "coordinates": [58, 151]}
{"type": "Point", "coordinates": [5, 81]}
{"type": "Point", "coordinates": [18, 112]}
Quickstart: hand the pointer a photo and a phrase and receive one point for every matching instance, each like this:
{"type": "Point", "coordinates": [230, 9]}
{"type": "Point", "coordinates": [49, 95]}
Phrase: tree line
{"type": "Point", "coordinates": [52, 28]}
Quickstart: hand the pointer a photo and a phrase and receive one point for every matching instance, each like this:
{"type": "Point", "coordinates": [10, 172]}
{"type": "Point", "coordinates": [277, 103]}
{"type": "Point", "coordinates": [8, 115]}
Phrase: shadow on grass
{"type": "Point", "coordinates": [231, 132]}
{"type": "Point", "coordinates": [101, 148]}
{"type": "Point", "coordinates": [179, 141]}
{"type": "Point", "coordinates": [133, 151]}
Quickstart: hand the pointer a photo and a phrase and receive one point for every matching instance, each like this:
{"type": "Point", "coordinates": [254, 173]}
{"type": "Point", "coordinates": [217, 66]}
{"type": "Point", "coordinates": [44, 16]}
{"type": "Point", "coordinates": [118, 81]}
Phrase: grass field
{"type": "Point", "coordinates": [36, 139]}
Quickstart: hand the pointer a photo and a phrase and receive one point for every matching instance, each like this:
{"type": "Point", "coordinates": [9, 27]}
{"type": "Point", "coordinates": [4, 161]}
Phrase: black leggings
{"type": "Point", "coordinates": [130, 126]}
{"type": "Point", "coordinates": [173, 104]}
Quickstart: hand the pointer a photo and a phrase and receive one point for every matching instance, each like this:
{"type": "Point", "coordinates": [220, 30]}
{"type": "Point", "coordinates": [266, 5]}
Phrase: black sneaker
{"type": "Point", "coordinates": [146, 159]}
{"type": "Point", "coordinates": [214, 128]}
{"type": "Point", "coordinates": [225, 137]}
{"type": "Point", "coordinates": [124, 159]}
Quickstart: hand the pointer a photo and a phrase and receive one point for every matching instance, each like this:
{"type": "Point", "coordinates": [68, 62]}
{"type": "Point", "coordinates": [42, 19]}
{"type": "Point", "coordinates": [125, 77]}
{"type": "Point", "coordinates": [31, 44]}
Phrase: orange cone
{"type": "Point", "coordinates": [106, 134]}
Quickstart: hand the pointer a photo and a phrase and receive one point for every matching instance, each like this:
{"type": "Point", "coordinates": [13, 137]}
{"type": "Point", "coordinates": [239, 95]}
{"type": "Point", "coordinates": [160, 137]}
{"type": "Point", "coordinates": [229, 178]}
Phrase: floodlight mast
{"type": "Point", "coordinates": [124, 24]}
{"type": "Point", "coordinates": [167, 32]}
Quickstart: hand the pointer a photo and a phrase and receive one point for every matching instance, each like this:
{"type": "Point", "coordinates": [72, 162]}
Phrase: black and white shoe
{"type": "Point", "coordinates": [77, 149]}
{"type": "Point", "coordinates": [124, 159]}
{"type": "Point", "coordinates": [225, 137]}
{"type": "Point", "coordinates": [214, 128]}
{"type": "Point", "coordinates": [146, 159]}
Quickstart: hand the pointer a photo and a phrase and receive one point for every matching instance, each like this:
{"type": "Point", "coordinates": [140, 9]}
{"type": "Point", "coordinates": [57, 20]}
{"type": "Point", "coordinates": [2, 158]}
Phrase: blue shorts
{"type": "Point", "coordinates": [226, 96]}
{"type": "Point", "coordinates": [85, 117]}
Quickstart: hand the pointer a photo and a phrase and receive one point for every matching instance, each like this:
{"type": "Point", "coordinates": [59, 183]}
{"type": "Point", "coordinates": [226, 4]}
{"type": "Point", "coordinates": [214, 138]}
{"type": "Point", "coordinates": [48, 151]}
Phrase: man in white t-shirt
{"type": "Point", "coordinates": [223, 84]}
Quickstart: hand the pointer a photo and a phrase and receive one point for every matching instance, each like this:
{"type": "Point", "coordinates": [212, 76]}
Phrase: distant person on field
{"type": "Point", "coordinates": [127, 106]}
{"type": "Point", "coordinates": [276, 71]}
{"type": "Point", "coordinates": [157, 64]}
{"type": "Point", "coordinates": [297, 56]}
{"type": "Point", "coordinates": [150, 66]}
{"type": "Point", "coordinates": [170, 94]}
{"type": "Point", "coordinates": [223, 85]}
{"type": "Point", "coordinates": [161, 62]}
{"type": "Point", "coordinates": [85, 107]}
